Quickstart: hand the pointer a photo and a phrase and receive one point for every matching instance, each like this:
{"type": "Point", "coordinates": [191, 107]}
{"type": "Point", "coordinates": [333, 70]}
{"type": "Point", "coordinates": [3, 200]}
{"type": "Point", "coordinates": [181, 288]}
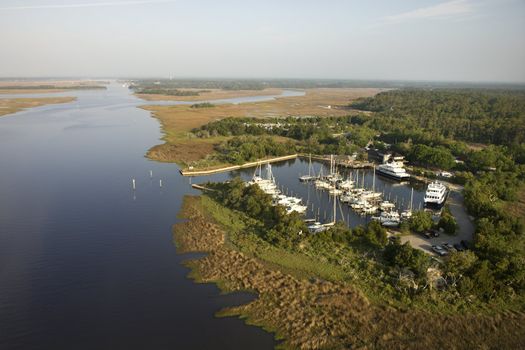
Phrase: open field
{"type": "Point", "coordinates": [177, 121]}
{"type": "Point", "coordinates": [13, 105]}
{"type": "Point", "coordinates": [44, 86]}
{"type": "Point", "coordinates": [307, 311]}
{"type": "Point", "coordinates": [210, 94]}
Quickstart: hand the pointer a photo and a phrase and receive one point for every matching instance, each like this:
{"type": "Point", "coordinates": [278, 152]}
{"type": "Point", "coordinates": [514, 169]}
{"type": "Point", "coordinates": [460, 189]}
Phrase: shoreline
{"type": "Point", "coordinates": [312, 312]}
{"type": "Point", "coordinates": [10, 106]}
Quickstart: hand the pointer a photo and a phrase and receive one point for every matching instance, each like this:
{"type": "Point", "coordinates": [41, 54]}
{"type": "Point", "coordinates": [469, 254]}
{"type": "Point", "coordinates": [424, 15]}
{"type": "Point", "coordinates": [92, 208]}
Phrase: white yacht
{"type": "Point", "coordinates": [322, 184]}
{"type": "Point", "coordinates": [436, 194]}
{"type": "Point", "coordinates": [346, 185]}
{"type": "Point", "coordinates": [394, 169]}
{"type": "Point", "coordinates": [346, 198]}
{"type": "Point", "coordinates": [388, 218]}
{"type": "Point", "coordinates": [301, 209]}
{"type": "Point", "coordinates": [386, 206]}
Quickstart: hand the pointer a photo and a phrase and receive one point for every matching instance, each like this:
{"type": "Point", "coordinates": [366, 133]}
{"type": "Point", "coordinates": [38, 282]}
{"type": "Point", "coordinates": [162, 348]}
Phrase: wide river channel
{"type": "Point", "coordinates": [88, 263]}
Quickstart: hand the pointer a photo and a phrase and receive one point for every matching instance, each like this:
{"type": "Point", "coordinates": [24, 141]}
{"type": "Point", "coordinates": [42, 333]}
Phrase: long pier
{"type": "Point", "coordinates": [236, 167]}
{"type": "Point", "coordinates": [202, 188]}
{"type": "Point", "coordinates": [338, 162]}
{"type": "Point", "coordinates": [347, 164]}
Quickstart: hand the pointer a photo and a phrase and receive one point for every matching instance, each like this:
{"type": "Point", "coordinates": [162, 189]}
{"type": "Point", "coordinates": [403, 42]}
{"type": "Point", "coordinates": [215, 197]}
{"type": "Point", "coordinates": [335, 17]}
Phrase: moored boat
{"type": "Point", "coordinates": [436, 194]}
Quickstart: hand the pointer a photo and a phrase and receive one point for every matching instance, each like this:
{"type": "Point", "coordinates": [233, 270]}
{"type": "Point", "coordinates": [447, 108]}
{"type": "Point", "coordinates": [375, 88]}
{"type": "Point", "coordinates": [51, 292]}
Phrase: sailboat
{"type": "Point", "coordinates": [310, 176]}
{"type": "Point", "coordinates": [267, 184]}
{"type": "Point", "coordinates": [407, 214]}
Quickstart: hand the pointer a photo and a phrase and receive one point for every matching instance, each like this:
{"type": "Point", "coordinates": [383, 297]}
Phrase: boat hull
{"type": "Point", "coordinates": [391, 176]}
{"type": "Point", "coordinates": [437, 205]}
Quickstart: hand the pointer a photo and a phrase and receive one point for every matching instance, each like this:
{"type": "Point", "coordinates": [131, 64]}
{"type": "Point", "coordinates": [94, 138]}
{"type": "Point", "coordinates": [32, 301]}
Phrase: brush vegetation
{"type": "Point", "coordinates": [340, 289]}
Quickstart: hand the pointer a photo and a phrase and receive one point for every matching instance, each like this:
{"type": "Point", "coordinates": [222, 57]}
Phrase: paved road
{"type": "Point", "coordinates": [465, 232]}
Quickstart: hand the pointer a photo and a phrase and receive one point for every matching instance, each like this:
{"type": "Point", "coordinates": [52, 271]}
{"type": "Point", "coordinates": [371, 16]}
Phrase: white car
{"type": "Point", "coordinates": [439, 250]}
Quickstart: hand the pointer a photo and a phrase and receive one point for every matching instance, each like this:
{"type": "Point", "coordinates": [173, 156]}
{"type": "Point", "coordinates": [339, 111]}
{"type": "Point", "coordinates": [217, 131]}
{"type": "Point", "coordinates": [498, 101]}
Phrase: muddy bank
{"type": "Point", "coordinates": [314, 314]}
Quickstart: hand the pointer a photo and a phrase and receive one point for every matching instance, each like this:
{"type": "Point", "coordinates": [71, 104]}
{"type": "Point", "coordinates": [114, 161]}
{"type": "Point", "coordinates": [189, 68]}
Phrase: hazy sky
{"type": "Point", "coordinates": [464, 40]}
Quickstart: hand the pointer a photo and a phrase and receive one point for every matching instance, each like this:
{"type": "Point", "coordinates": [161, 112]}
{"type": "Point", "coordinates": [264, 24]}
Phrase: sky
{"type": "Point", "coordinates": [430, 40]}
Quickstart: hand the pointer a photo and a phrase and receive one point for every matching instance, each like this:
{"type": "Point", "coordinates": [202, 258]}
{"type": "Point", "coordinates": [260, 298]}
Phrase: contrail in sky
{"type": "Point", "coordinates": [92, 4]}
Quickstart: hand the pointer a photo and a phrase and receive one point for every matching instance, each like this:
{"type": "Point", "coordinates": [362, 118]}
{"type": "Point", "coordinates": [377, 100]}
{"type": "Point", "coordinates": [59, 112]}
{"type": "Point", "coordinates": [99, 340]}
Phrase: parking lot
{"type": "Point", "coordinates": [465, 231]}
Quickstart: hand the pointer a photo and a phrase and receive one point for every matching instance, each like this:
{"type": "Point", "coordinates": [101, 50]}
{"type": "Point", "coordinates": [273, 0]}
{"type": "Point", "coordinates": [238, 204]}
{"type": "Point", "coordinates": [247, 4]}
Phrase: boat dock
{"type": "Point", "coordinates": [236, 167]}
{"type": "Point", "coordinates": [201, 188]}
{"type": "Point", "coordinates": [345, 163]}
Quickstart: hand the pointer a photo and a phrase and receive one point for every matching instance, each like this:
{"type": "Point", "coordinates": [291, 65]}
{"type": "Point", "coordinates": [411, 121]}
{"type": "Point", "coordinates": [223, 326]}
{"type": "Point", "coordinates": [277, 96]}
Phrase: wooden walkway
{"type": "Point", "coordinates": [235, 167]}
{"type": "Point", "coordinates": [201, 188]}
{"type": "Point", "coordinates": [346, 164]}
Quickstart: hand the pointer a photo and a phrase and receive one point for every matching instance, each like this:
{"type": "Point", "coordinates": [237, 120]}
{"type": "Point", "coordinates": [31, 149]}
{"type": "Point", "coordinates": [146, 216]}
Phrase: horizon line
{"type": "Point", "coordinates": [145, 77]}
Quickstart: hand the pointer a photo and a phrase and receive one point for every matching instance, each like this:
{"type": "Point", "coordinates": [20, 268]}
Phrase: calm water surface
{"type": "Point", "coordinates": [85, 262]}
{"type": "Point", "coordinates": [320, 203]}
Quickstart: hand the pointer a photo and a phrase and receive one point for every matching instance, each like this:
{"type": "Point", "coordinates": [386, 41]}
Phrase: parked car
{"type": "Point", "coordinates": [449, 247]}
{"type": "Point", "coordinates": [434, 233]}
{"type": "Point", "coordinates": [459, 247]}
{"type": "Point", "coordinates": [465, 244]}
{"type": "Point", "coordinates": [439, 250]}
{"type": "Point", "coordinates": [427, 234]}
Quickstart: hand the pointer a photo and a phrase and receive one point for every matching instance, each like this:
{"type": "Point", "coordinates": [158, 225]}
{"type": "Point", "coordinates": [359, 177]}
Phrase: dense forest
{"type": "Point", "coordinates": [493, 116]}
{"type": "Point", "coordinates": [259, 84]}
{"type": "Point", "coordinates": [242, 149]}
{"type": "Point", "coordinates": [312, 135]}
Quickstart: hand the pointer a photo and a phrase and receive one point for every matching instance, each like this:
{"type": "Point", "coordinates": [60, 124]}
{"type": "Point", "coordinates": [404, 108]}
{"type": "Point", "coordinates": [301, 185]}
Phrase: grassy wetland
{"type": "Point", "coordinates": [178, 121]}
{"type": "Point", "coordinates": [13, 105]}
{"type": "Point", "coordinates": [189, 94]}
{"type": "Point", "coordinates": [47, 86]}
{"type": "Point", "coordinates": [314, 302]}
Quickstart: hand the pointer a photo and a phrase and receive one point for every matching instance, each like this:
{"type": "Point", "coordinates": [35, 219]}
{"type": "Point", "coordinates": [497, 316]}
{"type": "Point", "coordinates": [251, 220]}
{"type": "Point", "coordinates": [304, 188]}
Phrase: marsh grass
{"type": "Point", "coordinates": [306, 310]}
{"type": "Point", "coordinates": [13, 105]}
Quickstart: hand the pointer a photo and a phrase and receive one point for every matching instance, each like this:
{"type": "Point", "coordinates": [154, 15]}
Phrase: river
{"type": "Point", "coordinates": [85, 261]}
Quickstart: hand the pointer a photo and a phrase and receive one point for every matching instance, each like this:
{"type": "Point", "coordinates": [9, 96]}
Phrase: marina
{"type": "Point", "coordinates": [354, 196]}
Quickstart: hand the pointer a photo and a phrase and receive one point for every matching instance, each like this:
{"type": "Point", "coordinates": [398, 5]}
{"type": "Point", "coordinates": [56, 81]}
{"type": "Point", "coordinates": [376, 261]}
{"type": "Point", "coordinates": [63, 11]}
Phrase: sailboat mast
{"type": "Point", "coordinates": [310, 165]}
{"type": "Point", "coordinates": [335, 211]}
{"type": "Point", "coordinates": [374, 180]}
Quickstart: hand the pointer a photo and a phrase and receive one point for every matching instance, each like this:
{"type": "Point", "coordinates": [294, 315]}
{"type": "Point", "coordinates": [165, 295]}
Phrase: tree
{"type": "Point", "coordinates": [420, 221]}
{"type": "Point", "coordinates": [460, 264]}
{"type": "Point", "coordinates": [404, 256]}
{"type": "Point", "coordinates": [376, 234]}
{"type": "Point", "coordinates": [483, 280]}
{"type": "Point", "coordinates": [447, 222]}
